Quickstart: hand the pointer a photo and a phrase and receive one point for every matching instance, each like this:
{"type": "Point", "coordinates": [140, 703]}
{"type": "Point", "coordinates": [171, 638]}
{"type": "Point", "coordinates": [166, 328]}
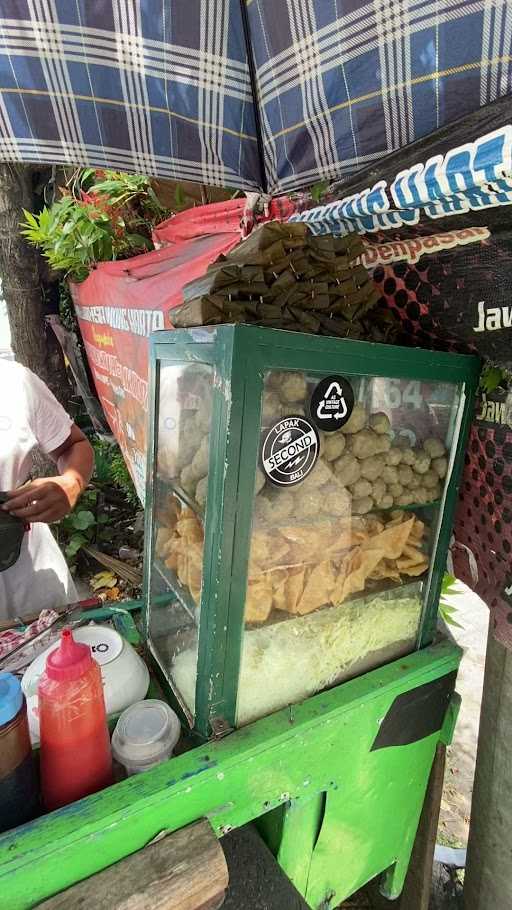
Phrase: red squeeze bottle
{"type": "Point", "coordinates": [75, 745]}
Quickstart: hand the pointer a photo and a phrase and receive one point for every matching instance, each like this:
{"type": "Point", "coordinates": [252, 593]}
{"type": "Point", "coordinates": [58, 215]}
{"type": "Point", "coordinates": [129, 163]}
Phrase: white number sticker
{"type": "Point", "coordinates": [392, 394]}
{"type": "Point", "coordinates": [412, 395]}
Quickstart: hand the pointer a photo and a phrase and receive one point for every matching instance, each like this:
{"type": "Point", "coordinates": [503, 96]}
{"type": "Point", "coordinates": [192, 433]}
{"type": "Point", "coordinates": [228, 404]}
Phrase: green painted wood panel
{"type": "Point", "coordinates": [322, 746]}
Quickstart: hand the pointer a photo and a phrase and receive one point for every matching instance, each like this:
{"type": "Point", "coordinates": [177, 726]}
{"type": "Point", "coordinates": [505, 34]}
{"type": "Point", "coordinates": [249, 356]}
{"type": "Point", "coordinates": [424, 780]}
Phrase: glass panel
{"type": "Point", "coordinates": [182, 450]}
{"type": "Point", "coordinates": [339, 560]}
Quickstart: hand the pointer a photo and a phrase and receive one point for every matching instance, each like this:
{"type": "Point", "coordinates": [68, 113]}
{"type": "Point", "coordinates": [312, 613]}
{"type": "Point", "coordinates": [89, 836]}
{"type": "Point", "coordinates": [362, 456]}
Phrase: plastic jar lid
{"type": "Point", "coordinates": [11, 697]}
{"type": "Point", "coordinates": [145, 733]}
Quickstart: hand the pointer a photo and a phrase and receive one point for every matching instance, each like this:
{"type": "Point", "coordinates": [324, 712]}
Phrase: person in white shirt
{"type": "Point", "coordinates": [31, 418]}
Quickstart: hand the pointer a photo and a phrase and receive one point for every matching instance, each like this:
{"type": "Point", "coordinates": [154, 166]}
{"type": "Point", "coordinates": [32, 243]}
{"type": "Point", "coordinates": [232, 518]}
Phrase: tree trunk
{"type": "Point", "coordinates": [33, 343]}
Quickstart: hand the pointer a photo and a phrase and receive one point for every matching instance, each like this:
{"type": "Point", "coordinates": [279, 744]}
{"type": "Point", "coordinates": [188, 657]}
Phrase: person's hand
{"type": "Point", "coordinates": [45, 499]}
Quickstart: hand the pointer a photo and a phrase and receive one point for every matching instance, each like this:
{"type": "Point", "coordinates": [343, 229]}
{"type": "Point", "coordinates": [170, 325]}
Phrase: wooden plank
{"type": "Point", "coordinates": [418, 884]}
{"type": "Point", "coordinates": [183, 871]}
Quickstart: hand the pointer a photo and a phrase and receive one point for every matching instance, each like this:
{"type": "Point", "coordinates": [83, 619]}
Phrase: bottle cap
{"type": "Point", "coordinates": [11, 697]}
{"type": "Point", "coordinates": [69, 661]}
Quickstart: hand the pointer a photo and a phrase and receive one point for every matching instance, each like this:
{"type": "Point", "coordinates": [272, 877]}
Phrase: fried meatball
{"type": "Point", "coordinates": [404, 475]}
{"type": "Point", "coordinates": [272, 408]}
{"type": "Point", "coordinates": [390, 474]}
{"type": "Point", "coordinates": [362, 506]}
{"type": "Point", "coordinates": [364, 443]}
{"type": "Point", "coordinates": [422, 462]}
{"type": "Point", "coordinates": [356, 421]}
{"type": "Point", "coordinates": [333, 446]}
{"type": "Point", "coordinates": [440, 466]}
{"type": "Point", "coordinates": [394, 456]}
{"type": "Point", "coordinates": [372, 467]}
{"type": "Point", "coordinates": [361, 488]}
{"type": "Point", "coordinates": [408, 456]}
{"type": "Point", "coordinates": [434, 447]}
{"type": "Point", "coordinates": [348, 469]}
{"type": "Point", "coordinates": [378, 491]}
{"type": "Point", "coordinates": [380, 422]}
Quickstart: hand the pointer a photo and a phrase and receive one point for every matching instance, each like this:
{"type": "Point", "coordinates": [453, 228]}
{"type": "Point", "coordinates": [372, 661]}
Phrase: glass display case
{"type": "Point", "coordinates": [300, 502]}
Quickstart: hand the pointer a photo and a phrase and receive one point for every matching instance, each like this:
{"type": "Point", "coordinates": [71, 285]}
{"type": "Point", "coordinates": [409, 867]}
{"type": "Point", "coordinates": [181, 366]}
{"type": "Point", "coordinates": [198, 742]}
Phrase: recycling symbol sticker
{"type": "Point", "coordinates": [332, 403]}
{"type": "Point", "coordinates": [290, 450]}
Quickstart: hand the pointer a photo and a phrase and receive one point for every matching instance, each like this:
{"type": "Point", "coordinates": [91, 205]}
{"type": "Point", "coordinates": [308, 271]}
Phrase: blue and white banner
{"type": "Point", "coordinates": [438, 178]}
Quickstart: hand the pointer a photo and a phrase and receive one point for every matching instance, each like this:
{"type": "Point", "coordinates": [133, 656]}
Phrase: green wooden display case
{"type": "Point", "coordinates": [275, 571]}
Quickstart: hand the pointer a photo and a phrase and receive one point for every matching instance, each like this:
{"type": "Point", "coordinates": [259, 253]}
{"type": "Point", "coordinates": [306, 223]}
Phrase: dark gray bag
{"type": "Point", "coordinates": [12, 530]}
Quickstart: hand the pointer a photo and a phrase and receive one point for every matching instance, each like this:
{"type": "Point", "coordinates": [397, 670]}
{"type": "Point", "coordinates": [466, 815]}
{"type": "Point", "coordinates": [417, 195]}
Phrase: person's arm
{"type": "Point", "coordinates": [51, 498]}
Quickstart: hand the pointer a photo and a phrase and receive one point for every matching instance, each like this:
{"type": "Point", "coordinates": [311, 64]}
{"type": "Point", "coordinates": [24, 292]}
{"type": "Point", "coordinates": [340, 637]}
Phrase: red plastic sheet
{"type": "Point", "coordinates": [121, 303]}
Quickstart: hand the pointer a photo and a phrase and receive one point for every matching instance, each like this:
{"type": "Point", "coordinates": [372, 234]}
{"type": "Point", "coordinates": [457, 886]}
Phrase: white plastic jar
{"type": "Point", "coordinates": [145, 735]}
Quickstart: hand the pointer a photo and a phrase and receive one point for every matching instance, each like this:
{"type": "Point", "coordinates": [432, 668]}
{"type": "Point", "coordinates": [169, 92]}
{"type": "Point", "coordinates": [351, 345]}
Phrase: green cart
{"type": "Point", "coordinates": [300, 499]}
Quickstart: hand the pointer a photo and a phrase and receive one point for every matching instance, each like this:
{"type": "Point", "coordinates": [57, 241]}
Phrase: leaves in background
{"type": "Point", "coordinates": [103, 579]}
{"type": "Point", "coordinates": [492, 377]}
{"type": "Point", "coordinates": [447, 611]}
{"type": "Point", "coordinates": [76, 541]}
{"type": "Point", "coordinates": [103, 215]}
{"type": "Point", "coordinates": [110, 469]}
{"type": "Point", "coordinates": [318, 191]}
{"type": "Point", "coordinates": [82, 520]}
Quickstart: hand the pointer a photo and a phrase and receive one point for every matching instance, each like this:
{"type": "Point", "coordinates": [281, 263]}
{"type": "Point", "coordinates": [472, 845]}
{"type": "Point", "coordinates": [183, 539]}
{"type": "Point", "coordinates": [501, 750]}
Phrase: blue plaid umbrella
{"type": "Point", "coordinates": [255, 94]}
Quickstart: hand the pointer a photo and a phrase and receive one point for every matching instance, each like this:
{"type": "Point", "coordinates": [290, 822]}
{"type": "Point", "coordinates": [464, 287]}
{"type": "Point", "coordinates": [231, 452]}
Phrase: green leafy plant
{"type": "Point", "coordinates": [80, 527]}
{"type": "Point", "coordinates": [102, 467]}
{"type": "Point", "coordinates": [126, 189]}
{"type": "Point", "coordinates": [318, 191]}
{"type": "Point", "coordinates": [103, 215]}
{"type": "Point", "coordinates": [492, 377]}
{"type": "Point", "coordinates": [122, 479]}
{"type": "Point", "coordinates": [105, 515]}
{"type": "Point", "coordinates": [447, 610]}
{"type": "Point", "coordinates": [110, 470]}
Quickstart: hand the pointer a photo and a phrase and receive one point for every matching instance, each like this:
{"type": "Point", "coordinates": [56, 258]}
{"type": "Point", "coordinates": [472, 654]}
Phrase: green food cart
{"type": "Point", "coordinates": [300, 499]}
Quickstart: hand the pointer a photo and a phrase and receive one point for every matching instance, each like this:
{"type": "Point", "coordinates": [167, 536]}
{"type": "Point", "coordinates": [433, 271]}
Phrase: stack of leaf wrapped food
{"type": "Point", "coordinates": [285, 277]}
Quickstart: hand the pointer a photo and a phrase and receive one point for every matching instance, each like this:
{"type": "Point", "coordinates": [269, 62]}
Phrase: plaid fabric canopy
{"type": "Point", "coordinates": [255, 94]}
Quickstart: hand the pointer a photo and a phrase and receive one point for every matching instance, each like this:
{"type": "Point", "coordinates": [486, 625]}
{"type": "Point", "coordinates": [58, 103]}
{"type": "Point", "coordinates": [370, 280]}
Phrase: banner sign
{"type": "Point", "coordinates": [436, 221]}
{"type": "Point", "coordinates": [121, 303]}
{"type": "Point", "coordinates": [118, 358]}
{"type": "Point", "coordinates": [118, 307]}
{"type": "Point", "coordinates": [456, 177]}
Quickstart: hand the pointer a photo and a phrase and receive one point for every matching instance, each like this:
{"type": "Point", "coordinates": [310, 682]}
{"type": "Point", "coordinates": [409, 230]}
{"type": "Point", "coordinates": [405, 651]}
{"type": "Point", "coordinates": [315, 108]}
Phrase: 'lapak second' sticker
{"type": "Point", "coordinates": [290, 450]}
{"type": "Point", "coordinates": [332, 403]}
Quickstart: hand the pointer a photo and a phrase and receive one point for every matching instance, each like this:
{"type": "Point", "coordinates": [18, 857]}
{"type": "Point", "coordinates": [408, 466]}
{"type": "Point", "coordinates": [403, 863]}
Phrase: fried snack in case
{"type": "Point", "coordinates": [326, 562]}
{"type": "Point", "coordinates": [318, 588]}
{"type": "Point", "coordinates": [300, 567]}
{"type": "Point", "coordinates": [258, 601]}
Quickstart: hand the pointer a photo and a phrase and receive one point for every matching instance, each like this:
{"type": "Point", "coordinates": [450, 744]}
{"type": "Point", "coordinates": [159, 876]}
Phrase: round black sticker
{"type": "Point", "coordinates": [332, 403]}
{"type": "Point", "coordinates": [290, 450]}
